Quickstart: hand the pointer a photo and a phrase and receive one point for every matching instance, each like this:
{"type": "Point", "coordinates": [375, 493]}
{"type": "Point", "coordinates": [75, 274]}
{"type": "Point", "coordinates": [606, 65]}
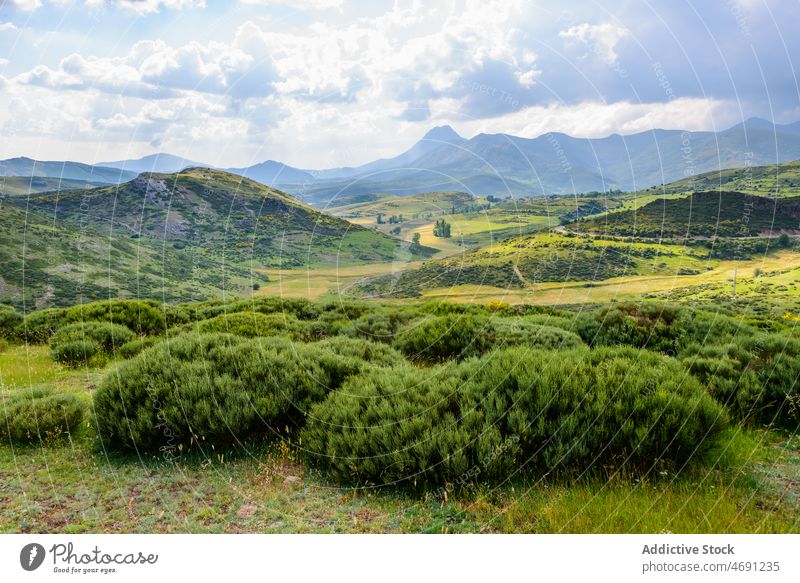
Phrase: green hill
{"type": "Point", "coordinates": [196, 234]}
{"type": "Point", "coordinates": [703, 214]}
{"type": "Point", "coordinates": [47, 264]}
{"type": "Point", "coordinates": [220, 215]}
{"type": "Point", "coordinates": [775, 180]}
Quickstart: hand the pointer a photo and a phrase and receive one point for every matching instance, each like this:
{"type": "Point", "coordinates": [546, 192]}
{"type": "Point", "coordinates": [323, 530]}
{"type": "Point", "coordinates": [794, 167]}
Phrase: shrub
{"type": "Point", "coordinates": [10, 320]}
{"type": "Point", "coordinates": [37, 327]}
{"type": "Point", "coordinates": [380, 325]}
{"type": "Point", "coordinates": [513, 411]}
{"type": "Point", "coordinates": [298, 307]}
{"type": "Point", "coordinates": [214, 388]}
{"type": "Point", "coordinates": [40, 415]}
{"type": "Point", "coordinates": [659, 327]}
{"type": "Point", "coordinates": [107, 336]}
{"type": "Point", "coordinates": [77, 353]}
{"type": "Point", "coordinates": [142, 316]}
{"type": "Point", "coordinates": [134, 347]}
{"type": "Point", "coordinates": [370, 352]}
{"type": "Point", "coordinates": [521, 331]}
{"type": "Point", "coordinates": [440, 338]}
{"type": "Point", "coordinates": [252, 324]}
{"type": "Point", "coordinates": [756, 378]}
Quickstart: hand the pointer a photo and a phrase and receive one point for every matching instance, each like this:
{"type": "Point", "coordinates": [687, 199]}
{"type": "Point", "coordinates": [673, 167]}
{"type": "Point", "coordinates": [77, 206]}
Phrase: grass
{"type": "Point", "coordinates": [749, 486]}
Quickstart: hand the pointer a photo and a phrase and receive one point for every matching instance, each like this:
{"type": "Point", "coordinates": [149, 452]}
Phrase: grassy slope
{"type": "Point", "coordinates": [52, 264]}
{"type": "Point", "coordinates": [72, 486]}
{"type": "Point", "coordinates": [193, 235]}
{"type": "Point", "coordinates": [776, 180]}
{"type": "Point", "coordinates": [217, 214]}
{"type": "Point", "coordinates": [703, 214]}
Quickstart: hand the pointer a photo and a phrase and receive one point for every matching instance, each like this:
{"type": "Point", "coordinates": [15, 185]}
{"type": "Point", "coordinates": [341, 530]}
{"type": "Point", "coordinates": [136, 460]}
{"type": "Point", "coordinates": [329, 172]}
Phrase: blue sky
{"type": "Point", "coordinates": [322, 83]}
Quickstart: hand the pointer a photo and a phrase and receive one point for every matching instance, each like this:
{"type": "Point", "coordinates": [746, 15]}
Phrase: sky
{"type": "Point", "coordinates": [328, 83]}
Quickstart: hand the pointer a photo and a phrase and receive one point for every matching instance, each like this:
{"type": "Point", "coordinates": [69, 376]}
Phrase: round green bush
{"type": "Point", "coordinates": [145, 317]}
{"type": "Point", "coordinates": [37, 327]}
{"type": "Point", "coordinates": [440, 338]}
{"type": "Point", "coordinates": [252, 324]}
{"type": "Point", "coordinates": [10, 320]}
{"type": "Point", "coordinates": [373, 353]}
{"type": "Point", "coordinates": [134, 347]}
{"type": "Point", "coordinates": [39, 415]}
{"type": "Point", "coordinates": [91, 337]}
{"type": "Point", "coordinates": [380, 325]}
{"type": "Point", "coordinates": [659, 327]}
{"type": "Point", "coordinates": [214, 389]}
{"type": "Point", "coordinates": [516, 410]}
{"type": "Point", "coordinates": [756, 378]}
{"type": "Point", "coordinates": [521, 331]}
{"type": "Point", "coordinates": [77, 353]}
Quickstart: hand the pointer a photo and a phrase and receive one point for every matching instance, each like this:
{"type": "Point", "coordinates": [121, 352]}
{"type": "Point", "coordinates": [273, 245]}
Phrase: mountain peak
{"type": "Point", "coordinates": [443, 133]}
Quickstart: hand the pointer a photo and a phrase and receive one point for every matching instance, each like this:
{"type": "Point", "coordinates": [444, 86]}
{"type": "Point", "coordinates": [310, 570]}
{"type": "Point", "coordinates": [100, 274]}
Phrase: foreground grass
{"type": "Point", "coordinates": [749, 485]}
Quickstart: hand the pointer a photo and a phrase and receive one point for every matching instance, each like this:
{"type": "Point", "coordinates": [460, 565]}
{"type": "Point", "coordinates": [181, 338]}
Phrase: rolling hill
{"type": "Point", "coordinates": [220, 214]}
{"type": "Point", "coordinates": [197, 233]}
{"type": "Point", "coordinates": [702, 214]}
{"type": "Point", "coordinates": [48, 263]}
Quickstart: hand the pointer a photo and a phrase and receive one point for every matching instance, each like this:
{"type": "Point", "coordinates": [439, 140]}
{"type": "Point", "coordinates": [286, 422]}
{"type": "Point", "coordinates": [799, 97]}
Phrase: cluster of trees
{"type": "Point", "coordinates": [393, 220]}
{"type": "Point", "coordinates": [442, 229]}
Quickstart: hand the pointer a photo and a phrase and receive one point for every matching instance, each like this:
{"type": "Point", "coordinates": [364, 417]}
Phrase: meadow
{"type": "Point", "coordinates": [284, 415]}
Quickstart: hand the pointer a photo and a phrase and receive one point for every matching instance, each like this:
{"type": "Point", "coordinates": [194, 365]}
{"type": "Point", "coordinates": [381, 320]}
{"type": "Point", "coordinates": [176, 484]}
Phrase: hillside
{"type": "Point", "coordinates": [702, 214]}
{"type": "Point", "coordinates": [220, 215]}
{"type": "Point", "coordinates": [46, 264]}
{"type": "Point", "coordinates": [69, 170]}
{"type": "Point", "coordinates": [23, 185]}
{"type": "Point", "coordinates": [775, 180]}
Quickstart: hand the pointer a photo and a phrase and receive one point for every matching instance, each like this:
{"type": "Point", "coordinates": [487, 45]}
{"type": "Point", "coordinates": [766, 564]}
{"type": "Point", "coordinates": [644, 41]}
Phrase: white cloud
{"type": "Point", "coordinates": [601, 39]}
{"type": "Point", "coordinates": [7, 26]}
{"type": "Point", "coordinates": [300, 4]}
{"type": "Point", "coordinates": [26, 5]}
{"type": "Point", "coordinates": [593, 119]}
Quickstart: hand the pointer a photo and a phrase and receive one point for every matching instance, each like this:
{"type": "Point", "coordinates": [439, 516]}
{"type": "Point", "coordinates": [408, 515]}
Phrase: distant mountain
{"type": "Point", "coordinates": [69, 170]}
{"type": "Point", "coordinates": [23, 185]}
{"type": "Point", "coordinates": [556, 163]}
{"type": "Point", "coordinates": [271, 172]}
{"type": "Point", "coordinates": [164, 163]}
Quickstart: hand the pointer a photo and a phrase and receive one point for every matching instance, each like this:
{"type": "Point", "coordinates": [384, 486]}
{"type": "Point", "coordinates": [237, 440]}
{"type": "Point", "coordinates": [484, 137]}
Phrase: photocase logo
{"type": "Point", "coordinates": [31, 556]}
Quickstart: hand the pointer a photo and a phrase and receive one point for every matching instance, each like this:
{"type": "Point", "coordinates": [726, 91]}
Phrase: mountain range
{"type": "Point", "coordinates": [498, 164]}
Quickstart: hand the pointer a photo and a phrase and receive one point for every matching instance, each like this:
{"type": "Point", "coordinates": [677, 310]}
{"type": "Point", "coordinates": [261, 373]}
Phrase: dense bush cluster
{"type": "Point", "coordinates": [659, 327]}
{"type": "Point", "coordinates": [517, 410]}
{"type": "Point", "coordinates": [221, 388]}
{"type": "Point", "coordinates": [427, 393]}
{"type": "Point", "coordinates": [38, 415]}
{"type": "Point", "coordinates": [252, 324]}
{"type": "Point", "coordinates": [83, 343]}
{"type": "Point", "coordinates": [757, 378]}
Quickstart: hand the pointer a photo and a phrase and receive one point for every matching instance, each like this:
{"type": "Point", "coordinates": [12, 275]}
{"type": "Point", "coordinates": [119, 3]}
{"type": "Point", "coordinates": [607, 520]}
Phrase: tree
{"type": "Point", "coordinates": [415, 239]}
{"type": "Point", "coordinates": [784, 241]}
{"type": "Point", "coordinates": [380, 218]}
{"type": "Point", "coordinates": [442, 229]}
